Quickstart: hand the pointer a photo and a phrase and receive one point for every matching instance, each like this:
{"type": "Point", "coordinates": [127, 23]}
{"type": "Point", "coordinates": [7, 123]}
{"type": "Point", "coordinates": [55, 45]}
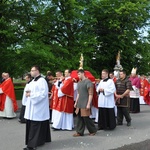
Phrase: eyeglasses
{"type": "Point", "coordinates": [33, 70]}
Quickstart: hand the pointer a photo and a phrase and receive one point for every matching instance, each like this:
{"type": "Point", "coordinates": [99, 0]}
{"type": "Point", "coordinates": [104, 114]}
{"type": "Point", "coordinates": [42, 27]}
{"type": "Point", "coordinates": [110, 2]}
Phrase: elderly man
{"type": "Point", "coordinates": [135, 92]}
{"type": "Point", "coordinates": [8, 105]}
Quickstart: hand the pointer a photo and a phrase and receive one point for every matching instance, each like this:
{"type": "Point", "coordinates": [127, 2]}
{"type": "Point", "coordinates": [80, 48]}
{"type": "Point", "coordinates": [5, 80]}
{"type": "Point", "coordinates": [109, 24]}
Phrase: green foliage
{"type": "Point", "coordinates": [18, 93]}
{"type": "Point", "coordinates": [117, 30]}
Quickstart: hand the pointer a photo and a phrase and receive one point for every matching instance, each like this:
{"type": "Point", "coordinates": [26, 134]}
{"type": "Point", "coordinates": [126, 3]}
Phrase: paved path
{"type": "Point", "coordinates": [12, 136]}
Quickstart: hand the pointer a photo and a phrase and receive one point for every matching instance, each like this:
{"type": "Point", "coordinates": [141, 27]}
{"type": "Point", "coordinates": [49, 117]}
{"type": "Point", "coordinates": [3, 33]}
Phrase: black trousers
{"type": "Point", "coordinates": [106, 119]}
{"type": "Point", "coordinates": [37, 133]}
{"type": "Point", "coordinates": [21, 116]}
{"type": "Point", "coordinates": [83, 122]}
{"type": "Point", "coordinates": [123, 112]}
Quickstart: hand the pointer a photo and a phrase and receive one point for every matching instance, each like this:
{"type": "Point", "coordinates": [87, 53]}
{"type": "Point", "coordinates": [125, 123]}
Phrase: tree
{"type": "Point", "coordinates": [64, 28]}
{"type": "Point", "coordinates": [118, 30]}
{"type": "Point", "coordinates": [8, 38]}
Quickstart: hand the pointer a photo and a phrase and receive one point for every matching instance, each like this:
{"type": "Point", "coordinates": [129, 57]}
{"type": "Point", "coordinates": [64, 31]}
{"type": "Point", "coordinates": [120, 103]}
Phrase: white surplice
{"type": "Point", "coordinates": [106, 98]}
{"type": "Point", "coordinates": [24, 98]}
{"type": "Point", "coordinates": [37, 105]}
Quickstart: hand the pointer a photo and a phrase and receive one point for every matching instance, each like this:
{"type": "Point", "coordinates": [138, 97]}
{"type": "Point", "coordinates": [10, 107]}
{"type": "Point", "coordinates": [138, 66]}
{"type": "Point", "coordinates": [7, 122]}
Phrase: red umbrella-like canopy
{"type": "Point", "coordinates": [74, 74]}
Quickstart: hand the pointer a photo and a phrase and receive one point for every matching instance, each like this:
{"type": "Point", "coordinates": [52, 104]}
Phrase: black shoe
{"type": "Point", "coordinates": [119, 123]}
{"type": "Point", "coordinates": [55, 129]}
{"type": "Point", "coordinates": [128, 124]}
{"type": "Point", "coordinates": [21, 121]}
{"type": "Point", "coordinates": [29, 148]}
{"type": "Point", "coordinates": [100, 128]}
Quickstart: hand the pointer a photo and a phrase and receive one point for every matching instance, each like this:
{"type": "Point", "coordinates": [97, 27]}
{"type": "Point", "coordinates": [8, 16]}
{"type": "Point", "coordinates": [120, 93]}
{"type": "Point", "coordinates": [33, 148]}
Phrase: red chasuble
{"type": "Point", "coordinates": [54, 100]}
{"type": "Point", "coordinates": [95, 97]}
{"type": "Point", "coordinates": [8, 90]}
{"type": "Point", "coordinates": [147, 95]}
{"type": "Point", "coordinates": [144, 85]}
{"type": "Point", "coordinates": [66, 102]}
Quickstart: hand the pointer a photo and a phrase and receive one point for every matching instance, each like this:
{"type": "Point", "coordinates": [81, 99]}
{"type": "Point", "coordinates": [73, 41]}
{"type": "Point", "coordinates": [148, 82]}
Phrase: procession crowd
{"type": "Point", "coordinates": [57, 100]}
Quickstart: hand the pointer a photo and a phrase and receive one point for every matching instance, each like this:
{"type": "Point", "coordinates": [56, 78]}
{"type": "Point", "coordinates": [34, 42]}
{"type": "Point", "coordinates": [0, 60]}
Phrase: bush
{"type": "Point", "coordinates": [19, 87]}
{"type": "Point", "coordinates": [19, 93]}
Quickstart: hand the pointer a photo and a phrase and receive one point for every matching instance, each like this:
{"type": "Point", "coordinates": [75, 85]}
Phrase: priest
{"type": "Point", "coordinates": [144, 85]}
{"type": "Point", "coordinates": [135, 92]}
{"type": "Point", "coordinates": [8, 103]}
{"type": "Point", "coordinates": [54, 95]}
{"type": "Point", "coordinates": [65, 104]}
{"type": "Point", "coordinates": [147, 93]}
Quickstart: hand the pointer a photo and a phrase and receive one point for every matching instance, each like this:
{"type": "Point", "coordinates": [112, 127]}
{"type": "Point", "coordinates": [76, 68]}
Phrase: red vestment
{"type": "Point", "coordinates": [8, 90]}
{"type": "Point", "coordinates": [144, 85]}
{"type": "Point", "coordinates": [66, 102]}
{"type": "Point", "coordinates": [114, 79]}
{"type": "Point", "coordinates": [54, 99]}
{"type": "Point", "coordinates": [95, 98]}
{"type": "Point", "coordinates": [147, 94]}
